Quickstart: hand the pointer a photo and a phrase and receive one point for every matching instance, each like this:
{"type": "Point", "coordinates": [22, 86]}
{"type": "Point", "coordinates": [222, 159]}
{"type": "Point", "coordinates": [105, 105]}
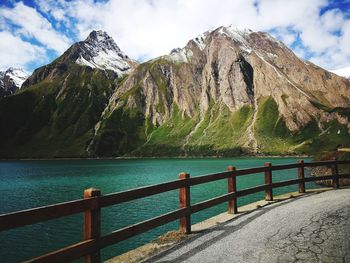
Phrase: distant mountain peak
{"type": "Point", "coordinates": [99, 50]}
{"type": "Point", "coordinates": [245, 39]}
{"type": "Point", "coordinates": [231, 31]}
{"type": "Point", "coordinates": [234, 29]}
{"type": "Point", "coordinates": [11, 80]}
{"type": "Point", "coordinates": [100, 35]}
{"type": "Point", "coordinates": [101, 39]}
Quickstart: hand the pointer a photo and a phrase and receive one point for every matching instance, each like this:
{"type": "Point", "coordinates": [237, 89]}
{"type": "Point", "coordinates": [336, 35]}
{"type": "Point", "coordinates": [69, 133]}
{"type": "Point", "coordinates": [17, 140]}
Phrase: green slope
{"type": "Point", "coordinates": [275, 138]}
{"type": "Point", "coordinates": [54, 118]}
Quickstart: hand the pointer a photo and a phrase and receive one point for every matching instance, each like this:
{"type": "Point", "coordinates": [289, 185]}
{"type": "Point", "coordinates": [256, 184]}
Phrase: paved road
{"type": "Point", "coordinates": [313, 228]}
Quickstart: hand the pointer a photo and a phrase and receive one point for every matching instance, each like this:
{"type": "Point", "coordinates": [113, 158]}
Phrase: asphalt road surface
{"type": "Point", "coordinates": [310, 228]}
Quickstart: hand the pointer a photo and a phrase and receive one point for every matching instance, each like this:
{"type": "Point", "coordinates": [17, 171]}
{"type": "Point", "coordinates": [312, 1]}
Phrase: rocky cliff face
{"type": "Point", "coordinates": [11, 80]}
{"type": "Point", "coordinates": [228, 73]}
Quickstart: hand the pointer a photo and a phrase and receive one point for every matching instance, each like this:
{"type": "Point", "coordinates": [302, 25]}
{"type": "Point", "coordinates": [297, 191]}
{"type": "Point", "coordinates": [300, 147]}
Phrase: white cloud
{"type": "Point", "coordinates": [150, 28]}
{"type": "Point", "coordinates": [14, 52]}
{"type": "Point", "coordinates": [153, 28]}
{"type": "Point", "coordinates": [287, 36]}
{"type": "Point", "coordinates": [32, 24]}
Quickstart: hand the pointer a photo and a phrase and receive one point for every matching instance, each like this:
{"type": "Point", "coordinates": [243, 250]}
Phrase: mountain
{"type": "Point", "coordinates": [55, 112]}
{"type": "Point", "coordinates": [343, 72]}
{"type": "Point", "coordinates": [97, 51]}
{"type": "Point", "coordinates": [100, 51]}
{"type": "Point", "coordinates": [227, 92]}
{"type": "Point", "coordinates": [11, 80]}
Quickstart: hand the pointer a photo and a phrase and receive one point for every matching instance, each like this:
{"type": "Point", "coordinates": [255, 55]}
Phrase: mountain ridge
{"type": "Point", "coordinates": [227, 92]}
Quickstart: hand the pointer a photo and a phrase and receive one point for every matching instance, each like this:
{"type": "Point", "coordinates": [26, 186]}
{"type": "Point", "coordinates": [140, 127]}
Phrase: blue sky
{"type": "Point", "coordinates": [33, 33]}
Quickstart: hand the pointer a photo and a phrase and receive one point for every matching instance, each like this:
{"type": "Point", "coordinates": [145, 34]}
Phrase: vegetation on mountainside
{"type": "Point", "coordinates": [120, 133]}
{"type": "Point", "coordinates": [54, 118]}
{"type": "Point", "coordinates": [57, 118]}
{"type": "Point", "coordinates": [275, 138]}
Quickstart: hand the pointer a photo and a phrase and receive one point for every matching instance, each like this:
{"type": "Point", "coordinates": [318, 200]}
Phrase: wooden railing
{"type": "Point", "coordinates": [93, 201]}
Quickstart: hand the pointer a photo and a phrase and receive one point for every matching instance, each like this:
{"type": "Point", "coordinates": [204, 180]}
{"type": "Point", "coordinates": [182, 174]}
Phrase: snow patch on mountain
{"type": "Point", "coordinates": [100, 51]}
{"type": "Point", "coordinates": [238, 36]}
{"type": "Point", "coordinates": [230, 31]}
{"type": "Point", "coordinates": [17, 75]}
{"type": "Point", "coordinates": [11, 80]}
{"type": "Point", "coordinates": [181, 55]}
{"type": "Point", "coordinates": [199, 40]}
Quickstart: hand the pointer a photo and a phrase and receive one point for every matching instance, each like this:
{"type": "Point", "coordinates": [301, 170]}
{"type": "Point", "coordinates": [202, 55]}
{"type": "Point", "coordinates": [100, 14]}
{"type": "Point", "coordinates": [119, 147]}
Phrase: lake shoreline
{"type": "Point", "coordinates": [154, 157]}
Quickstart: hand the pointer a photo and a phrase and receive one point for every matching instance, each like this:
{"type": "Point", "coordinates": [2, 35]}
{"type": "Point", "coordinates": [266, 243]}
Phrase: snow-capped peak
{"type": "Point", "coordinates": [17, 75]}
{"type": "Point", "coordinates": [343, 72]}
{"type": "Point", "coordinates": [100, 51]}
{"type": "Point", "coordinates": [100, 39]}
{"type": "Point", "coordinates": [238, 35]}
{"type": "Point", "coordinates": [235, 30]}
{"type": "Point", "coordinates": [11, 80]}
{"type": "Point", "coordinates": [234, 33]}
{"type": "Point", "coordinates": [99, 35]}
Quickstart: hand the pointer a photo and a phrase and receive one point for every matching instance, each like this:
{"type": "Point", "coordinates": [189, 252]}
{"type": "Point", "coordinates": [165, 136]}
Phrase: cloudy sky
{"type": "Point", "coordinates": [33, 33]}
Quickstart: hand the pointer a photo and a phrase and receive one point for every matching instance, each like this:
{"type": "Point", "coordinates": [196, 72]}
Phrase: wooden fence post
{"type": "Point", "coordinates": [92, 225]}
{"type": "Point", "coordinates": [301, 176]}
{"type": "Point", "coordinates": [232, 188]}
{"type": "Point", "coordinates": [185, 202]}
{"type": "Point", "coordinates": [335, 173]}
{"type": "Point", "coordinates": [268, 182]}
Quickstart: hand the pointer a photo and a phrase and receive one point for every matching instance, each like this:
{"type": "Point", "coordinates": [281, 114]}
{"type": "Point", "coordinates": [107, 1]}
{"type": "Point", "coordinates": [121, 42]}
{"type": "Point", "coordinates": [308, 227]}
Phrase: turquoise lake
{"type": "Point", "coordinates": [29, 184]}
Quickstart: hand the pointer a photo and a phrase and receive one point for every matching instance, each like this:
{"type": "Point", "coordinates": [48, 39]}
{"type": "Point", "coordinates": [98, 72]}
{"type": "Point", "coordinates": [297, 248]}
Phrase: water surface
{"type": "Point", "coordinates": [28, 184]}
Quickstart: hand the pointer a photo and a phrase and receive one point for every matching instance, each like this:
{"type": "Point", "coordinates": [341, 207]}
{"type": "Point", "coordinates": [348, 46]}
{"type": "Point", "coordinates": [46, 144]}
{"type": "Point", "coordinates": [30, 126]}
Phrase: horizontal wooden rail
{"type": "Point", "coordinates": [91, 205]}
{"type": "Point", "coordinates": [285, 183]}
{"type": "Point", "coordinates": [130, 195]}
{"type": "Point", "coordinates": [40, 214]}
{"type": "Point", "coordinates": [212, 202]}
{"type": "Point", "coordinates": [250, 171]}
{"type": "Point", "coordinates": [322, 163]}
{"type": "Point", "coordinates": [142, 227]}
{"type": "Point", "coordinates": [285, 166]}
{"type": "Point", "coordinates": [251, 190]}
